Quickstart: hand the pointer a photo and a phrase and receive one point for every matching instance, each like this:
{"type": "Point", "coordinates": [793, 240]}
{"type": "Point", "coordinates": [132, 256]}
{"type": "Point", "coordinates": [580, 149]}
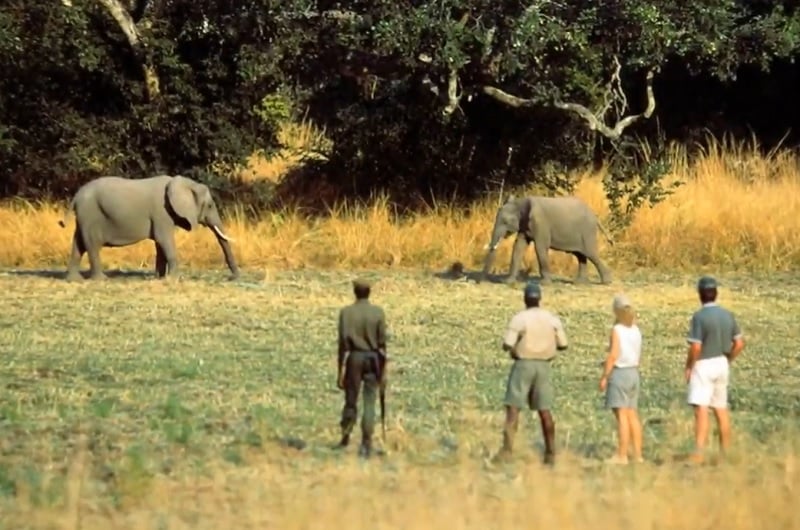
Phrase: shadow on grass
{"type": "Point", "coordinates": [62, 274]}
{"type": "Point", "coordinates": [143, 274]}
{"type": "Point", "coordinates": [456, 272]}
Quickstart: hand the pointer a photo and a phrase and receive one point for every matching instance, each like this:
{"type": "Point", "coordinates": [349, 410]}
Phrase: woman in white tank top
{"type": "Point", "coordinates": [620, 379]}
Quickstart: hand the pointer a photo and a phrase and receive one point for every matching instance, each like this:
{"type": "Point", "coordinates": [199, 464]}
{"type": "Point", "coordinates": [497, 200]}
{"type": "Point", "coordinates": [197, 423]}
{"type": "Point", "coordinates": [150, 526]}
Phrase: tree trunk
{"type": "Point", "coordinates": [128, 27]}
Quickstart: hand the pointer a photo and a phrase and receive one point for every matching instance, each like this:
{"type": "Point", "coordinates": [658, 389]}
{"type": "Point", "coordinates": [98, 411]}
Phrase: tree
{"type": "Point", "coordinates": [96, 87]}
{"type": "Point", "coordinates": [557, 76]}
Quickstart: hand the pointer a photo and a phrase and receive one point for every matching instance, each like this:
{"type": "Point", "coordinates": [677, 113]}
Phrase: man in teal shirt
{"type": "Point", "coordinates": [715, 340]}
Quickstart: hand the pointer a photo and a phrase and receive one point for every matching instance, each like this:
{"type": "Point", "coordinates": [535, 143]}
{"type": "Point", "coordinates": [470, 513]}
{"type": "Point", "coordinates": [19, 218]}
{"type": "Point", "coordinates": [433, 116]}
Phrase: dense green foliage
{"type": "Point", "coordinates": [419, 98]}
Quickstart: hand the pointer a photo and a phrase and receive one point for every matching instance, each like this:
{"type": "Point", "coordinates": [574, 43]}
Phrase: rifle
{"type": "Point", "coordinates": [382, 389]}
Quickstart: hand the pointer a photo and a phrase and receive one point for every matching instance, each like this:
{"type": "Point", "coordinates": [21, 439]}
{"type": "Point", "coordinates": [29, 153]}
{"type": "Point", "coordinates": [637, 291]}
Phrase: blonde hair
{"type": "Point", "coordinates": [625, 316]}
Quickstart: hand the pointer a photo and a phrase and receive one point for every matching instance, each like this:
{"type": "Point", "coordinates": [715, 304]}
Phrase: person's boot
{"type": "Point", "coordinates": [549, 458]}
{"type": "Point", "coordinates": [345, 441]}
{"type": "Point", "coordinates": [365, 451]}
{"type": "Point", "coordinates": [506, 450]}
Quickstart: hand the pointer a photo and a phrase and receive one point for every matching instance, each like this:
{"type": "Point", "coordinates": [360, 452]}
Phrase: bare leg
{"type": "Point", "coordinates": [700, 430]}
{"type": "Point", "coordinates": [509, 432]}
{"type": "Point", "coordinates": [78, 250]}
{"type": "Point", "coordinates": [636, 433]}
{"type": "Point", "coordinates": [623, 432]}
{"type": "Point", "coordinates": [724, 425]}
{"type": "Point", "coordinates": [549, 433]}
{"type": "Point", "coordinates": [510, 428]}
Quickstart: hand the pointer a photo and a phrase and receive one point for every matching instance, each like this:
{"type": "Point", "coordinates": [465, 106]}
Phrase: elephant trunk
{"type": "Point", "coordinates": [212, 220]}
{"type": "Point", "coordinates": [223, 241]}
{"type": "Point", "coordinates": [497, 236]}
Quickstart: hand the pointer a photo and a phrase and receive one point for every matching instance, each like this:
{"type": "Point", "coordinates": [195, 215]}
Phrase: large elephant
{"type": "Point", "coordinates": [115, 212]}
{"type": "Point", "coordinates": [561, 223]}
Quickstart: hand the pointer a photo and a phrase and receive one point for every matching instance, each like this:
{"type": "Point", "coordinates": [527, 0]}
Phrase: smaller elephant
{"type": "Point", "coordinates": [566, 224]}
{"type": "Point", "coordinates": [115, 212]}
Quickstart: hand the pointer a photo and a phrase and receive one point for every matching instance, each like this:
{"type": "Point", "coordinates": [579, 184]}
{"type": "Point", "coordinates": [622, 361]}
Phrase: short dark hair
{"type": "Point", "coordinates": [532, 301]}
{"type": "Point", "coordinates": [707, 294]}
{"type": "Point", "coordinates": [361, 291]}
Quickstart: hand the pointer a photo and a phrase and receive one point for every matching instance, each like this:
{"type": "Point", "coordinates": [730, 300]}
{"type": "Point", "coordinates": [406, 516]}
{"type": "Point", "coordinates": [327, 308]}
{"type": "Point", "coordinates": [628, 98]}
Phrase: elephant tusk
{"type": "Point", "coordinates": [220, 233]}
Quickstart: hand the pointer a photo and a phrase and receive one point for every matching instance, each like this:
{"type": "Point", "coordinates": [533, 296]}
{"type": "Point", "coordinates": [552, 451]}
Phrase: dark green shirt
{"type": "Point", "coordinates": [714, 328]}
{"type": "Point", "coordinates": [362, 327]}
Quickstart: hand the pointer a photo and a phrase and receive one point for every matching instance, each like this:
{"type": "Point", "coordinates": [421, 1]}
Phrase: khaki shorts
{"type": "Point", "coordinates": [530, 383]}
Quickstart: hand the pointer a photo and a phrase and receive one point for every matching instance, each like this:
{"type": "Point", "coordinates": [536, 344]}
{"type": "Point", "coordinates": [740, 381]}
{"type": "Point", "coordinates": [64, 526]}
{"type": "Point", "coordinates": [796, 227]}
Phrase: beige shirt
{"type": "Point", "coordinates": [535, 333]}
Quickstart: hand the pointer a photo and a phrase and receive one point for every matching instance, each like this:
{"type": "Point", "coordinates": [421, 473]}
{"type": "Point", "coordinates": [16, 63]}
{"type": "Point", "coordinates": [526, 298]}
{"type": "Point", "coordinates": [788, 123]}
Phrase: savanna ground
{"type": "Point", "coordinates": [203, 403]}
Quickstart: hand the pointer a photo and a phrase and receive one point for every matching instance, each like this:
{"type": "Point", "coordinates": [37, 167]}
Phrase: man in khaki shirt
{"type": "Point", "coordinates": [533, 337]}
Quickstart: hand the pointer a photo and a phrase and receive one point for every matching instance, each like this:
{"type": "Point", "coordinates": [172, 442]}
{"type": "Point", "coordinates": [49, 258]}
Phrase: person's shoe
{"type": "Point", "coordinates": [344, 441]}
{"type": "Point", "coordinates": [639, 460]}
{"type": "Point", "coordinates": [364, 451]}
{"type": "Point", "coordinates": [695, 458]}
{"type": "Point", "coordinates": [503, 455]}
{"type": "Point", "coordinates": [617, 460]}
{"type": "Point", "coordinates": [549, 459]}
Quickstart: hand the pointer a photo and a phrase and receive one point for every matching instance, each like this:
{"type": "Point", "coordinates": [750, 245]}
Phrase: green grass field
{"type": "Point", "coordinates": [189, 395]}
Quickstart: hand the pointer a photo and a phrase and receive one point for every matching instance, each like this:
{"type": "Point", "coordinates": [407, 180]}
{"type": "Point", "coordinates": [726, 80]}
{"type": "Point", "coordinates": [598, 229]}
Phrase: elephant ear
{"type": "Point", "coordinates": [182, 197]}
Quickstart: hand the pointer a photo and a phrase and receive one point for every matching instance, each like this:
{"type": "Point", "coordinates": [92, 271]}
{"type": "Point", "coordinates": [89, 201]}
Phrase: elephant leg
{"type": "Point", "coordinates": [76, 255]}
{"type": "Point", "coordinates": [520, 244]}
{"type": "Point", "coordinates": [165, 240]}
{"type": "Point", "coordinates": [161, 262]}
{"type": "Point", "coordinates": [582, 261]}
{"type": "Point", "coordinates": [542, 247]}
{"type": "Point", "coordinates": [93, 245]}
{"type": "Point", "coordinates": [602, 270]}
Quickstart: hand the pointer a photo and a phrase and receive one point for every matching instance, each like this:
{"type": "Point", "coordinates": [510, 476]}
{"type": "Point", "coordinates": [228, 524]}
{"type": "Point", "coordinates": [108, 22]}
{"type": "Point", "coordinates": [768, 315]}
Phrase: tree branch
{"type": "Point", "coordinates": [128, 27]}
{"type": "Point", "coordinates": [453, 97]}
{"type": "Point", "coordinates": [613, 133]}
{"type": "Point", "coordinates": [506, 98]}
{"type": "Point", "coordinates": [594, 123]}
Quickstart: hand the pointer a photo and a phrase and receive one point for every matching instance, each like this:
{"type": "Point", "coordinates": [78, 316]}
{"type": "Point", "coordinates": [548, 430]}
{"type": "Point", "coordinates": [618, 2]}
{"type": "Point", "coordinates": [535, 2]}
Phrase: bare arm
{"type": "Point", "coordinates": [738, 342]}
{"type": "Point", "coordinates": [561, 336]}
{"type": "Point", "coordinates": [613, 355]}
{"type": "Point", "coordinates": [695, 340]}
{"type": "Point", "coordinates": [512, 336]}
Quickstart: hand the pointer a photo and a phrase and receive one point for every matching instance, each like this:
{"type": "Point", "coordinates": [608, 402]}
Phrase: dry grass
{"type": "Point", "coordinates": [737, 209]}
{"type": "Point", "coordinates": [296, 140]}
{"type": "Point", "coordinates": [139, 404]}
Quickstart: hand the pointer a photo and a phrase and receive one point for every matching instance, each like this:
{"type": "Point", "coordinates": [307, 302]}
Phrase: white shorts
{"type": "Point", "coordinates": [708, 383]}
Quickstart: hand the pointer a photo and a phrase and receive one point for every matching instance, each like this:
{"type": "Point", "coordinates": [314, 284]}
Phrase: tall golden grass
{"type": "Point", "coordinates": [736, 209]}
{"type": "Point", "coordinates": [294, 492]}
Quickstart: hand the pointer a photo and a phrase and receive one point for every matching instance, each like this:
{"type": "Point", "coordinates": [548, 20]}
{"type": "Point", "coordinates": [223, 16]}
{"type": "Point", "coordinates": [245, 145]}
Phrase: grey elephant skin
{"type": "Point", "coordinates": [115, 212]}
{"type": "Point", "coordinates": [566, 224]}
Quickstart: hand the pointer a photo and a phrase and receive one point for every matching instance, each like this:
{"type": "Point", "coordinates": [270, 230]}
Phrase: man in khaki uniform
{"type": "Point", "coordinates": [362, 339]}
{"type": "Point", "coordinates": [533, 337]}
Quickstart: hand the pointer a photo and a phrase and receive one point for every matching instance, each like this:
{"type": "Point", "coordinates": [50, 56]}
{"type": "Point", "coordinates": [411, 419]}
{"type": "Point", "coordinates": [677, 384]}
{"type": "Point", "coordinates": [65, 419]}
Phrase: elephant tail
{"type": "Point", "coordinates": [602, 229]}
{"type": "Point", "coordinates": [70, 210]}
